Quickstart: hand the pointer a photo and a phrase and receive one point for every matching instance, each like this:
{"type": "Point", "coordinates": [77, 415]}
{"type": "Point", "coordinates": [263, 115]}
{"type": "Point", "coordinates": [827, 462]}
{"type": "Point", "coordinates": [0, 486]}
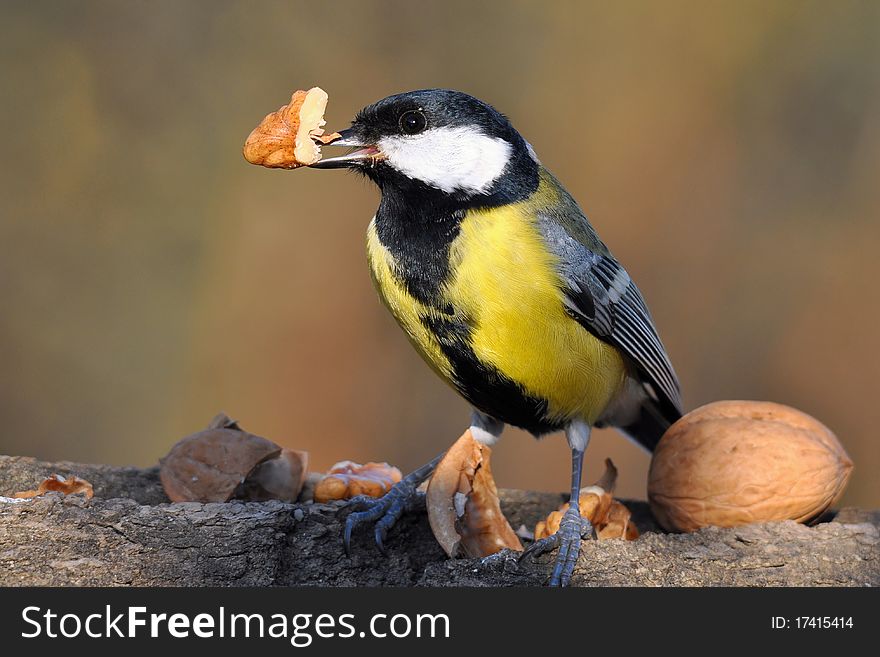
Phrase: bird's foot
{"type": "Point", "coordinates": [572, 529]}
{"type": "Point", "coordinates": [384, 510]}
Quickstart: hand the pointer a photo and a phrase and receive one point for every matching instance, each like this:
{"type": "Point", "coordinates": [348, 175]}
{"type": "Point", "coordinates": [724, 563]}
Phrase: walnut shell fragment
{"type": "Point", "coordinates": [208, 466]}
{"type": "Point", "coordinates": [736, 462]}
{"type": "Point", "coordinates": [287, 138]}
{"type": "Point", "coordinates": [610, 517]}
{"type": "Point", "coordinates": [463, 506]}
{"type": "Point", "coordinates": [58, 483]}
{"type": "Point", "coordinates": [279, 478]}
{"type": "Point", "coordinates": [348, 479]}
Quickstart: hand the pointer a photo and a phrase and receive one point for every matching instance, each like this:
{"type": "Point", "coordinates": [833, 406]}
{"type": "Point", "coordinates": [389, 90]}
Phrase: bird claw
{"type": "Point", "coordinates": [567, 539]}
{"type": "Point", "coordinates": [384, 510]}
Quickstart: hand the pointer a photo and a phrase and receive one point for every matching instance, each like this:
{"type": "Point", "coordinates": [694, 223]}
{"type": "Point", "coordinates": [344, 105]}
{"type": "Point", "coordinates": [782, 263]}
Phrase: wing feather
{"type": "Point", "coordinates": [602, 297]}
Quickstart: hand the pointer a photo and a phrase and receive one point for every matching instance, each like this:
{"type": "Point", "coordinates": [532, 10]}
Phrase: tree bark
{"type": "Point", "coordinates": [129, 534]}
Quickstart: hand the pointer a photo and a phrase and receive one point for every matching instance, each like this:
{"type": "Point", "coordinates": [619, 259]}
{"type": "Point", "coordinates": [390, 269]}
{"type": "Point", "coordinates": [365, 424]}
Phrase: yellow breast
{"type": "Point", "coordinates": [407, 310]}
{"type": "Point", "coordinates": [505, 278]}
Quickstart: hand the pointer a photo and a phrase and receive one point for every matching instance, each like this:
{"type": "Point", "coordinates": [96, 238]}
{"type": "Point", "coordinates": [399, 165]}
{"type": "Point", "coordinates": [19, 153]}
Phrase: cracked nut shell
{"type": "Point", "coordinates": [208, 466]}
{"type": "Point", "coordinates": [463, 506]}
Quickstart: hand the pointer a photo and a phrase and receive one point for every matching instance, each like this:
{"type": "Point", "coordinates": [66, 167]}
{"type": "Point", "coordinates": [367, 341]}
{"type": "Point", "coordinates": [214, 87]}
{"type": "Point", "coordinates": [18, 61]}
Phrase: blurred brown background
{"type": "Point", "coordinates": [727, 152]}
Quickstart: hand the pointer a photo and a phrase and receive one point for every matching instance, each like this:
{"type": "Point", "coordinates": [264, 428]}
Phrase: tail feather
{"type": "Point", "coordinates": [651, 422]}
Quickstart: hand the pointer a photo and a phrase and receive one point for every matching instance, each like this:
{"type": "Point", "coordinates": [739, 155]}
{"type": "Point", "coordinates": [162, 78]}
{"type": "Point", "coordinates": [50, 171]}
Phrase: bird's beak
{"type": "Point", "coordinates": [362, 155]}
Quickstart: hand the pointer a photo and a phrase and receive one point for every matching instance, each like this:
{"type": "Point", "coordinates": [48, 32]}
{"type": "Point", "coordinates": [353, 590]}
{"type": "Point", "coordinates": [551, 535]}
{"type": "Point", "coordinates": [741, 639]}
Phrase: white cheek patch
{"type": "Point", "coordinates": [450, 159]}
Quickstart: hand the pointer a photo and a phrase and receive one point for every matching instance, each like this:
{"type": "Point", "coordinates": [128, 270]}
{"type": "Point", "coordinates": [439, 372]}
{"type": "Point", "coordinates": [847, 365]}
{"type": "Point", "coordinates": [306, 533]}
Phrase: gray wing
{"type": "Point", "coordinates": [601, 296]}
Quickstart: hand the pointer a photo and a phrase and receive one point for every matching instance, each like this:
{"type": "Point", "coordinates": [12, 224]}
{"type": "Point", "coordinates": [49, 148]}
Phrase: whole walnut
{"type": "Point", "coordinates": [736, 462]}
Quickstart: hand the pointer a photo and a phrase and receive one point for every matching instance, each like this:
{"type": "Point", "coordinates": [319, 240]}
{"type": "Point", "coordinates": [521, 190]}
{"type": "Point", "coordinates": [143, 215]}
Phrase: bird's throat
{"type": "Point", "coordinates": [418, 235]}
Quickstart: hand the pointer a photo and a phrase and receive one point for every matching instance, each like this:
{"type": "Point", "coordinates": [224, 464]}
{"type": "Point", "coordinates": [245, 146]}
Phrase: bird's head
{"type": "Point", "coordinates": [441, 143]}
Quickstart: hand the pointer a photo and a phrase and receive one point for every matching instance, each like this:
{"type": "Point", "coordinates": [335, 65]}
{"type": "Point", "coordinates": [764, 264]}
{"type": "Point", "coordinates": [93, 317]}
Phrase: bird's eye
{"type": "Point", "coordinates": [412, 122]}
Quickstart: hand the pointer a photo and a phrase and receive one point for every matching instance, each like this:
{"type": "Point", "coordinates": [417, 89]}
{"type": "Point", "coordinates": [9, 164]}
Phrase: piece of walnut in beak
{"type": "Point", "coordinates": [287, 138]}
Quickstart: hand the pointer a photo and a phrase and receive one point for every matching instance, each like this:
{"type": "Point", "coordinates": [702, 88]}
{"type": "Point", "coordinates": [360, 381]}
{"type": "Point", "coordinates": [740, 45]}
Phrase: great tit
{"type": "Point", "coordinates": [502, 285]}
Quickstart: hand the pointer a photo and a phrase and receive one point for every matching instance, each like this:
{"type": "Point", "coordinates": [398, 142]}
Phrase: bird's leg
{"type": "Point", "coordinates": [485, 428]}
{"type": "Point", "coordinates": [573, 527]}
{"type": "Point", "coordinates": [387, 509]}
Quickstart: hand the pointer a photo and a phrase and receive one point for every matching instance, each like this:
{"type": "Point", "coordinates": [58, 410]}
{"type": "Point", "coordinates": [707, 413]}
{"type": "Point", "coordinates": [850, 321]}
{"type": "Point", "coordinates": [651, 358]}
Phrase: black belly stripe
{"type": "Point", "coordinates": [418, 224]}
{"type": "Point", "coordinates": [484, 386]}
{"type": "Point", "coordinates": [419, 237]}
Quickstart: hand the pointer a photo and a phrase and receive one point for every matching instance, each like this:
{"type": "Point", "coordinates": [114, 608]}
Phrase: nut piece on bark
{"type": "Point", "coordinates": [286, 138]}
{"type": "Point", "coordinates": [736, 462]}
{"type": "Point", "coordinates": [279, 478]}
{"type": "Point", "coordinates": [208, 466]}
{"type": "Point", "coordinates": [610, 517]}
{"type": "Point", "coordinates": [58, 483]}
{"type": "Point", "coordinates": [617, 524]}
{"type": "Point", "coordinates": [348, 479]}
{"type": "Point", "coordinates": [463, 506]}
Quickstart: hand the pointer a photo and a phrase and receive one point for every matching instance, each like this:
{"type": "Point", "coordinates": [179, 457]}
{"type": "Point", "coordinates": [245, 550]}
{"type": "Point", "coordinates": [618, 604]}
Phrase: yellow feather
{"type": "Point", "coordinates": [504, 280]}
{"type": "Point", "coordinates": [405, 309]}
